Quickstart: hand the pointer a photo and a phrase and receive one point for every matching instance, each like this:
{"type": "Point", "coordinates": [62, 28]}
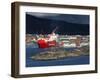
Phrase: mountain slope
{"type": "Point", "coordinates": [36, 25]}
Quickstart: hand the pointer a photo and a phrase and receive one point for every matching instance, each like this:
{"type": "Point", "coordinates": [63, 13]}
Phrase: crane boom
{"type": "Point", "coordinates": [54, 29]}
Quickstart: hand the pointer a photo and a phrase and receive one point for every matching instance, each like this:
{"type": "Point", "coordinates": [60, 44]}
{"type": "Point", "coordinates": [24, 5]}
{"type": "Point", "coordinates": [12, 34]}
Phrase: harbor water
{"type": "Point", "coordinates": [31, 50]}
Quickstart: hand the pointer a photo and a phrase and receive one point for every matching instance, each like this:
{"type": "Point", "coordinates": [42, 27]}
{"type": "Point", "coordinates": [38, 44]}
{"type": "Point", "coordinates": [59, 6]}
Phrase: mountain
{"type": "Point", "coordinates": [35, 25]}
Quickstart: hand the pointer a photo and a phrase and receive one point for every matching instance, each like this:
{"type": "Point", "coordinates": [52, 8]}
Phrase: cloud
{"type": "Point", "coordinates": [42, 14]}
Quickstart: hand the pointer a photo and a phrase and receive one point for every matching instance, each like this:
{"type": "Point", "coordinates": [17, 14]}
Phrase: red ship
{"type": "Point", "coordinates": [50, 41]}
{"type": "Point", "coordinates": [44, 44]}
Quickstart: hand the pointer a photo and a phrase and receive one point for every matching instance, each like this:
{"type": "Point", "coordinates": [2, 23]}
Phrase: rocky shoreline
{"type": "Point", "coordinates": [55, 53]}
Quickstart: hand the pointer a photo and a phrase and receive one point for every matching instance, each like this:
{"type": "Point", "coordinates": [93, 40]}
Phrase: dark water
{"type": "Point", "coordinates": [67, 61]}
